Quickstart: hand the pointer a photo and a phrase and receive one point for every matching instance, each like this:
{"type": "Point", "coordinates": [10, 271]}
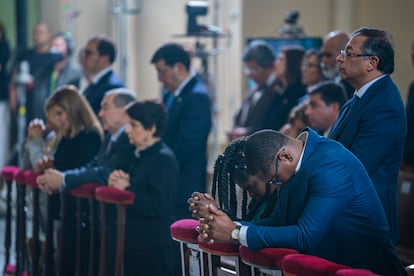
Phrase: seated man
{"type": "Point", "coordinates": [325, 101]}
{"type": "Point", "coordinates": [327, 206]}
{"type": "Point", "coordinates": [116, 152]}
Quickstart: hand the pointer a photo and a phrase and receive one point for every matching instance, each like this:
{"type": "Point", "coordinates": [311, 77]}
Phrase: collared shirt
{"type": "Point", "coordinates": [113, 139]}
{"type": "Point", "coordinates": [359, 93]}
{"type": "Point", "coordinates": [243, 229]}
{"type": "Point", "coordinates": [99, 75]}
{"type": "Point", "coordinates": [177, 91]}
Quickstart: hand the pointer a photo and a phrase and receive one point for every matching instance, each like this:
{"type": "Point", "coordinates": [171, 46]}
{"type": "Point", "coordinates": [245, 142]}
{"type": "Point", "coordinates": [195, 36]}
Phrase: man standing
{"type": "Point", "coordinates": [96, 59]}
{"type": "Point", "coordinates": [373, 123]}
{"type": "Point", "coordinates": [189, 120]}
{"type": "Point", "coordinates": [259, 59]}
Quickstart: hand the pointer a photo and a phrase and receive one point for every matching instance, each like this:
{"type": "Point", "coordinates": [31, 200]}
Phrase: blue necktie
{"type": "Point", "coordinates": [344, 112]}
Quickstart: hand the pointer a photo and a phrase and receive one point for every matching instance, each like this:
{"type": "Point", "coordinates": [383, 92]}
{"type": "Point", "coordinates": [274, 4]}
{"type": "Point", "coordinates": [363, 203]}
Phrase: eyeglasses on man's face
{"type": "Point", "coordinates": [346, 54]}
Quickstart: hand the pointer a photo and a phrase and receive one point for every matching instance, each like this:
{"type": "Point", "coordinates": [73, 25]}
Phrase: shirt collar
{"type": "Point", "coordinates": [359, 93]}
{"type": "Point", "coordinates": [304, 138]}
{"type": "Point", "coordinates": [177, 92]}
{"type": "Point", "coordinates": [100, 74]}
{"type": "Point", "coordinates": [116, 135]}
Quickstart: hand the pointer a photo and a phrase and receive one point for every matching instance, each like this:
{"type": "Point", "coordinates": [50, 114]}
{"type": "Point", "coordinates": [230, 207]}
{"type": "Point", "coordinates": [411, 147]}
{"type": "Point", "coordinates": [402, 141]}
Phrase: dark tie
{"type": "Point", "coordinates": [88, 89]}
{"type": "Point", "coordinates": [346, 110]}
{"type": "Point", "coordinates": [109, 147]}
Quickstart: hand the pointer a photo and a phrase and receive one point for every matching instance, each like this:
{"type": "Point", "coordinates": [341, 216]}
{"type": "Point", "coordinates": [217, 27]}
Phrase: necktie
{"type": "Point", "coordinates": [346, 110]}
{"type": "Point", "coordinates": [109, 147]}
{"type": "Point", "coordinates": [168, 99]}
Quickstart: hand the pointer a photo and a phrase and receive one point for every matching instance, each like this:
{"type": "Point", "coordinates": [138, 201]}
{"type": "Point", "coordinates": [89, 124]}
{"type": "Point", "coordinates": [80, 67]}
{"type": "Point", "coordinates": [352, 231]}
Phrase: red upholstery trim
{"type": "Point", "coordinates": [10, 269]}
{"type": "Point", "coordinates": [185, 230]}
{"type": "Point", "coordinates": [355, 272]}
{"type": "Point", "coordinates": [219, 248]}
{"type": "Point", "coordinates": [114, 196]}
{"type": "Point", "coordinates": [19, 177]}
{"type": "Point", "coordinates": [8, 172]}
{"type": "Point", "coordinates": [30, 178]}
{"type": "Point", "coordinates": [307, 265]}
{"type": "Point", "coordinates": [266, 257]}
{"type": "Point", "coordinates": [86, 190]}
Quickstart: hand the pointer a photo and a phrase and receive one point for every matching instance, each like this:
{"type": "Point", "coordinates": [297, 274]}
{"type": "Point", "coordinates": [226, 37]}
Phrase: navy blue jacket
{"type": "Point", "coordinates": [375, 131]}
{"type": "Point", "coordinates": [189, 123]}
{"type": "Point", "coordinates": [330, 209]}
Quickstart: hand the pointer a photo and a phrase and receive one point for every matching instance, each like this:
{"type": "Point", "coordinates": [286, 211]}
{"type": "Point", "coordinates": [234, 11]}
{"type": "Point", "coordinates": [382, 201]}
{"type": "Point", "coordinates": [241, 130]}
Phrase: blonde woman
{"type": "Point", "coordinates": [80, 135]}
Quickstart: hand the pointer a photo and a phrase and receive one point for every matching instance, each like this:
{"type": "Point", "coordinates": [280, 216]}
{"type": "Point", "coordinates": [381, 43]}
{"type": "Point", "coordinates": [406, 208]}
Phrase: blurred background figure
{"type": "Point", "coordinates": [289, 87]}
{"type": "Point", "coordinates": [333, 43]}
{"type": "Point", "coordinates": [408, 157]}
{"type": "Point", "coordinates": [297, 120]}
{"type": "Point", "coordinates": [325, 102]}
{"type": "Point", "coordinates": [311, 69]}
{"type": "Point", "coordinates": [4, 95]}
{"type": "Point", "coordinates": [97, 59]}
{"type": "Point", "coordinates": [258, 58]}
{"type": "Point", "coordinates": [52, 76]}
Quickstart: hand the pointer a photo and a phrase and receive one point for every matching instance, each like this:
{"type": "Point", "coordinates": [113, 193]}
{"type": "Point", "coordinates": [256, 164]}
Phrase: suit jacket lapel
{"type": "Point", "coordinates": [177, 103]}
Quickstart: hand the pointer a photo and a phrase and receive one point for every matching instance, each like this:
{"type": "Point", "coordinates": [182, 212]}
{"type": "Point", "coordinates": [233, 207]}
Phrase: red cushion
{"type": "Point", "coordinates": [355, 272]}
{"type": "Point", "coordinates": [265, 257]}
{"type": "Point", "coordinates": [114, 196]}
{"type": "Point", "coordinates": [30, 178]}
{"type": "Point", "coordinates": [219, 248]}
{"type": "Point", "coordinates": [185, 230]}
{"type": "Point", "coordinates": [86, 190]}
{"type": "Point", "coordinates": [8, 172]}
{"type": "Point", "coordinates": [10, 269]}
{"type": "Point", "coordinates": [19, 177]}
{"type": "Point", "coordinates": [307, 265]}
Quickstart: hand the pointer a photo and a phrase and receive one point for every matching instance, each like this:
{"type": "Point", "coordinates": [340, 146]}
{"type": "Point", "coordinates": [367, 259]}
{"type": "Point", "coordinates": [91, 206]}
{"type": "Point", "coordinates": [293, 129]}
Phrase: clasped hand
{"type": "Point", "coordinates": [216, 226]}
{"type": "Point", "coordinates": [119, 179]}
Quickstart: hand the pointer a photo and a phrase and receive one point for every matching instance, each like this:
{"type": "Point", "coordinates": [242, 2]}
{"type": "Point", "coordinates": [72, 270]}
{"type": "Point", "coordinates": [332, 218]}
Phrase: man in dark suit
{"type": "Point", "coordinates": [327, 205]}
{"type": "Point", "coordinates": [97, 58]}
{"type": "Point", "coordinates": [259, 61]}
{"type": "Point", "coordinates": [373, 123]}
{"type": "Point", "coordinates": [189, 120]}
{"type": "Point", "coordinates": [116, 152]}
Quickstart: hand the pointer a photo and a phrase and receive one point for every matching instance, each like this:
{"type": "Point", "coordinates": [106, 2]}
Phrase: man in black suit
{"type": "Point", "coordinates": [97, 58]}
{"type": "Point", "coordinates": [116, 152]}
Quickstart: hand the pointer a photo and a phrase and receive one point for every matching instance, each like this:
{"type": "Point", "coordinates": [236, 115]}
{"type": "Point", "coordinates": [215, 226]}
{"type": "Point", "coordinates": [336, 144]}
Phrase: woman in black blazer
{"type": "Point", "coordinates": [153, 177]}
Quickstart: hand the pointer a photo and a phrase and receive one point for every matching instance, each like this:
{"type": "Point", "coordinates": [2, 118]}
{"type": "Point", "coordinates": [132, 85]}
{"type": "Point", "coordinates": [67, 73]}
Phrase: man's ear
{"type": "Point", "coordinates": [285, 155]}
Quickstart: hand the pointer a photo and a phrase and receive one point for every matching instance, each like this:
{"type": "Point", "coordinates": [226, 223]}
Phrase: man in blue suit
{"type": "Point", "coordinates": [327, 205]}
{"type": "Point", "coordinates": [373, 123]}
{"type": "Point", "coordinates": [96, 59]}
{"type": "Point", "coordinates": [116, 152]}
{"type": "Point", "coordinates": [189, 119]}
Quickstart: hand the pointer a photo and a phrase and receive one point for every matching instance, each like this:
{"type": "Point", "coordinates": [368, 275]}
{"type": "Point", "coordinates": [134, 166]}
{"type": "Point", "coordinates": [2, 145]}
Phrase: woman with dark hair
{"type": "Point", "coordinates": [153, 177]}
{"type": "Point", "coordinates": [289, 87]}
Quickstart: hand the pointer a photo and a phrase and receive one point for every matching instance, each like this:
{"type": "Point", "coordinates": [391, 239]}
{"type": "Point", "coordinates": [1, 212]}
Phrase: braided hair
{"type": "Point", "coordinates": [230, 168]}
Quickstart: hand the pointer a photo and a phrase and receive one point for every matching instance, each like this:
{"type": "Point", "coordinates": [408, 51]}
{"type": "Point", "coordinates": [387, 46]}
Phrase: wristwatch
{"type": "Point", "coordinates": [235, 234]}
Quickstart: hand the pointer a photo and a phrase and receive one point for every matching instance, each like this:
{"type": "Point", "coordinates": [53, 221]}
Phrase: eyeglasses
{"type": "Point", "coordinates": [274, 180]}
{"type": "Point", "coordinates": [345, 54]}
